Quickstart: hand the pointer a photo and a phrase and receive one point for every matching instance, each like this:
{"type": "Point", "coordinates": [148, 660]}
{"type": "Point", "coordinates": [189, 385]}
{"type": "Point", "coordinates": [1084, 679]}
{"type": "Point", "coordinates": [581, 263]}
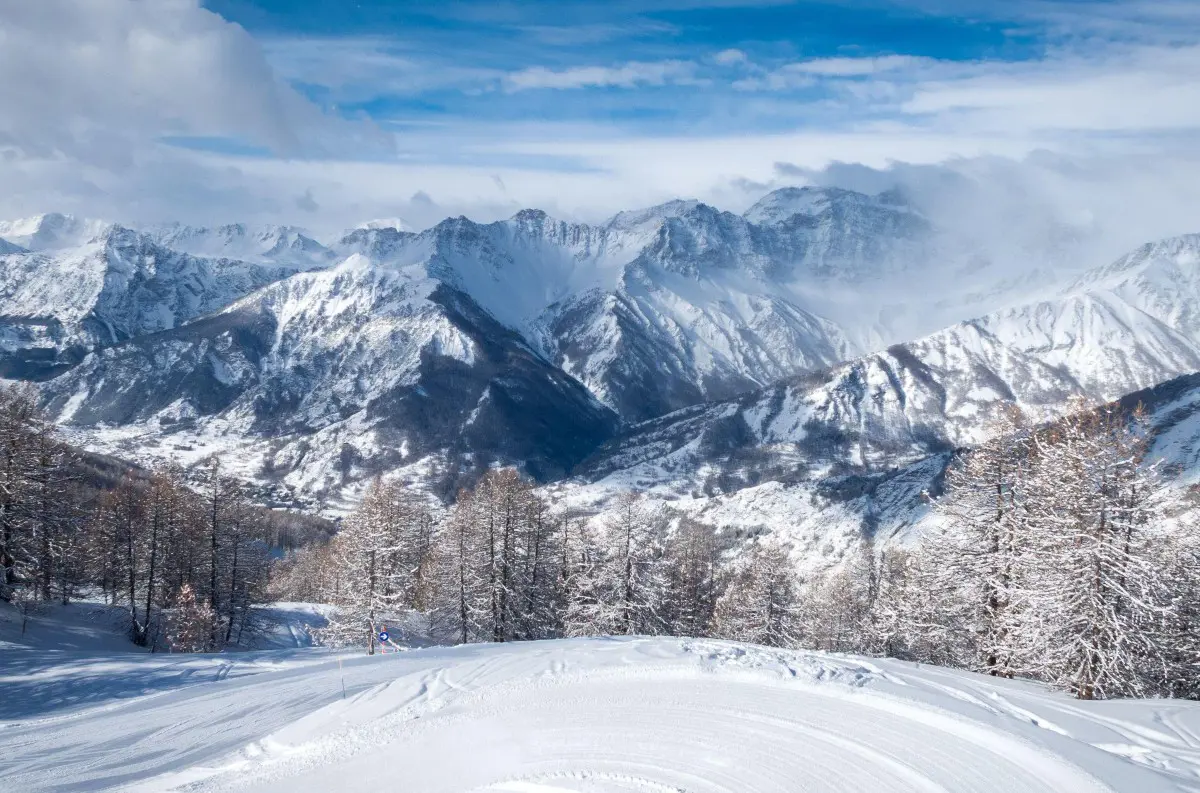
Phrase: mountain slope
{"type": "Point", "coordinates": [827, 459]}
{"type": "Point", "coordinates": [8, 247]}
{"type": "Point", "coordinates": [875, 413]}
{"type": "Point", "coordinates": [56, 305]}
{"type": "Point", "coordinates": [1118, 328]}
{"type": "Point", "coordinates": [327, 378]}
{"type": "Point", "coordinates": [281, 245]}
{"type": "Point", "coordinates": [663, 307]}
{"type": "Point", "coordinates": [806, 489]}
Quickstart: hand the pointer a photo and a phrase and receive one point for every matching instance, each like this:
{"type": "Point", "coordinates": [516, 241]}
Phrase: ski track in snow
{"type": "Point", "coordinates": [630, 715]}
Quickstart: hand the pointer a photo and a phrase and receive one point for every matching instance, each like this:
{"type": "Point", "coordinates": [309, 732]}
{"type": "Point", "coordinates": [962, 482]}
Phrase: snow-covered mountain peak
{"type": "Point", "coordinates": [786, 203]}
{"type": "Point", "coordinates": [1165, 261]}
{"type": "Point", "coordinates": [285, 245]}
{"type": "Point", "coordinates": [651, 217]}
{"type": "Point", "coordinates": [531, 215]}
{"type": "Point", "coordinates": [51, 231]}
{"type": "Point", "coordinates": [1158, 282]}
{"type": "Point", "coordinates": [380, 245]}
{"type": "Point", "coordinates": [534, 225]}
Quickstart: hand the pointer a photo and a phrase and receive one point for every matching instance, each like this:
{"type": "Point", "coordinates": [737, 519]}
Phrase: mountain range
{"type": "Point", "coordinates": [823, 347]}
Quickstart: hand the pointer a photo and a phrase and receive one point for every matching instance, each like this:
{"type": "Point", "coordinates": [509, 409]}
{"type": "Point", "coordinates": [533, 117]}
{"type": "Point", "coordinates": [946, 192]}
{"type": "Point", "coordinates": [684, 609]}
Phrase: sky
{"type": "Point", "coordinates": [325, 113]}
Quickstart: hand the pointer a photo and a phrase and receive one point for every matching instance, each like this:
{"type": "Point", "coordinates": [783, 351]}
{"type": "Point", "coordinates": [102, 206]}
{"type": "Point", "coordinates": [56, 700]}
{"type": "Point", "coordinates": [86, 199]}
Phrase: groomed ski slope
{"type": "Point", "coordinates": [588, 715]}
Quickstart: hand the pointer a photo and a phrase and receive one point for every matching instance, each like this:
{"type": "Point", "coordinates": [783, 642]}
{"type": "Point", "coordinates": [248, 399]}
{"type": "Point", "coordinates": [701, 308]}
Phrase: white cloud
{"type": "Point", "coordinates": [627, 75]}
{"type": "Point", "coordinates": [89, 90]}
{"type": "Point", "coordinates": [90, 93]}
{"type": "Point", "coordinates": [805, 74]}
{"type": "Point", "coordinates": [96, 80]}
{"type": "Point", "coordinates": [858, 67]}
{"type": "Point", "coordinates": [731, 57]}
{"type": "Point", "coordinates": [785, 78]}
{"type": "Point", "coordinates": [362, 68]}
{"type": "Point", "coordinates": [1134, 89]}
{"type": "Point", "coordinates": [575, 35]}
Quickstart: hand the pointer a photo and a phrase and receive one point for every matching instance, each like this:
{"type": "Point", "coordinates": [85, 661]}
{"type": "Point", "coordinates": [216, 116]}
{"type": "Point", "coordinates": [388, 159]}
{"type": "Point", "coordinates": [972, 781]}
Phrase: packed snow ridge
{"type": "Point", "coordinates": [609, 714]}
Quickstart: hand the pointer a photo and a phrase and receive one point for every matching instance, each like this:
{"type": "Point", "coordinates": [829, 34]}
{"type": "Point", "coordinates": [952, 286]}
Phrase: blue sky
{"type": "Point", "coordinates": [438, 78]}
{"type": "Point", "coordinates": [323, 111]}
{"type": "Point", "coordinates": [694, 68]}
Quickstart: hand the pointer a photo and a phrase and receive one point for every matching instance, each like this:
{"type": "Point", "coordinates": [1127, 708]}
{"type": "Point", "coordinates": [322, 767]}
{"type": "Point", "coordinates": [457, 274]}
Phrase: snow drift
{"type": "Point", "coordinates": [585, 715]}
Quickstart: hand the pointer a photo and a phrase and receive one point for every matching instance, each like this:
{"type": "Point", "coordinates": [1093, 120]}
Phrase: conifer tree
{"type": "Point", "coordinates": [626, 584]}
{"type": "Point", "coordinates": [1098, 591]}
{"type": "Point", "coordinates": [585, 590]}
{"type": "Point", "coordinates": [760, 602]}
{"type": "Point", "coordinates": [978, 546]}
{"type": "Point", "coordinates": [692, 570]}
{"type": "Point", "coordinates": [462, 563]}
{"type": "Point", "coordinates": [191, 624]}
{"type": "Point", "coordinates": [372, 583]}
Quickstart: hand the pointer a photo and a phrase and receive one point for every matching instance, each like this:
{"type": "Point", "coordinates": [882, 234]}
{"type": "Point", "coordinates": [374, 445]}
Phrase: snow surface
{"type": "Point", "coordinates": [74, 627]}
{"type": "Point", "coordinates": [90, 626]}
{"type": "Point", "coordinates": [629, 714]}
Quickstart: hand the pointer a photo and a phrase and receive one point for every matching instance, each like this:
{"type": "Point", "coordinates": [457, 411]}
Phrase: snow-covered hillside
{"type": "Point", "coordinates": [329, 377]}
{"type": "Point", "coordinates": [58, 304]}
{"type": "Point", "coordinates": [9, 247]}
{"type": "Point", "coordinates": [804, 482]}
{"type": "Point", "coordinates": [663, 307]}
{"type": "Point", "coordinates": [578, 715]}
{"type": "Point", "coordinates": [729, 350]}
{"type": "Point", "coordinates": [827, 459]}
{"type": "Point", "coordinates": [1118, 328]}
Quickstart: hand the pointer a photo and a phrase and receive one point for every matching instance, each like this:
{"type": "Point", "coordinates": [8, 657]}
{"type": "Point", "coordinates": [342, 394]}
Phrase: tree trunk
{"type": "Point", "coordinates": [232, 590]}
{"type": "Point", "coordinates": [150, 577]}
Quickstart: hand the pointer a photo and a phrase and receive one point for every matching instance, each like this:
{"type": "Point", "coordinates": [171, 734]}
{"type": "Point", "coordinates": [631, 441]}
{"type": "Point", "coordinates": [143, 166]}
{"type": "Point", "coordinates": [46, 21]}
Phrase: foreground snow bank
{"type": "Point", "coordinates": [606, 715]}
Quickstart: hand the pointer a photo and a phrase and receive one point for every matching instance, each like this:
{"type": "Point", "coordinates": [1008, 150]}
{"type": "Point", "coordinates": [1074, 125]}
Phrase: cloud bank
{"type": "Point", "coordinates": [151, 110]}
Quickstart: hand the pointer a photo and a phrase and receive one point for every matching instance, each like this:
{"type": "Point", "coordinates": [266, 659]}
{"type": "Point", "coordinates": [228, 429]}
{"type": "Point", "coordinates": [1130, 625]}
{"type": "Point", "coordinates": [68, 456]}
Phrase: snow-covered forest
{"type": "Point", "coordinates": [1057, 555]}
{"type": "Point", "coordinates": [188, 561]}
